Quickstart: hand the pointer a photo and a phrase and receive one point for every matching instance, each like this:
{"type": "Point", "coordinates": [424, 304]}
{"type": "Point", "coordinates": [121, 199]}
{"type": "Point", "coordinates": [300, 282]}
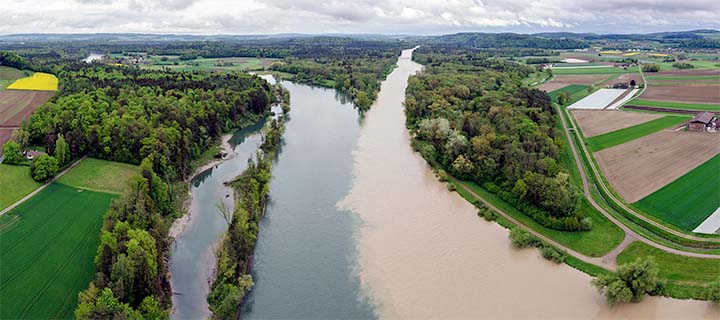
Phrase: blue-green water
{"type": "Point", "coordinates": [305, 256]}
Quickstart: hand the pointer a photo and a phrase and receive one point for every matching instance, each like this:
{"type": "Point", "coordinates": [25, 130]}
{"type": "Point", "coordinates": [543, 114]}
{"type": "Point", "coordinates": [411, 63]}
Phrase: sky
{"type": "Point", "coordinates": [411, 17]}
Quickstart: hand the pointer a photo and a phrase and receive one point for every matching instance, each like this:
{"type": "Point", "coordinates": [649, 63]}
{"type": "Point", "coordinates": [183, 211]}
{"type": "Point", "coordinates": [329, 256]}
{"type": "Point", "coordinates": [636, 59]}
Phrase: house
{"type": "Point", "coordinates": [700, 121]}
{"type": "Point", "coordinates": [31, 154]}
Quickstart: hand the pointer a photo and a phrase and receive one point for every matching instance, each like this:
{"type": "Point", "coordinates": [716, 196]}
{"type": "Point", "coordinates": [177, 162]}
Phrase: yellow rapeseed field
{"type": "Point", "coordinates": [659, 54]}
{"type": "Point", "coordinates": [611, 52]}
{"type": "Point", "coordinates": [630, 54]}
{"type": "Point", "coordinates": [38, 81]}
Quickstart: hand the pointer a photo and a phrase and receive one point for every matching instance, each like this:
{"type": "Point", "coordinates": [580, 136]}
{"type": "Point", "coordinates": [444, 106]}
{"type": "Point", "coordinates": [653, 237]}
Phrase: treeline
{"type": "Point", "coordinates": [127, 115]}
{"type": "Point", "coordinates": [471, 116]}
{"type": "Point", "coordinates": [505, 40]}
{"type": "Point", "coordinates": [358, 77]}
{"type": "Point", "coordinates": [251, 189]}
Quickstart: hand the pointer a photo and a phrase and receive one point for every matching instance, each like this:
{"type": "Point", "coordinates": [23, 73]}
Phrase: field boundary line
{"type": "Point", "coordinates": [41, 188]}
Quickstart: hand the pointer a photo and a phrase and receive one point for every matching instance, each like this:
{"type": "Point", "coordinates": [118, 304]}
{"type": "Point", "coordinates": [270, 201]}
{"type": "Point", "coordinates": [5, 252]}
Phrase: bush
{"type": "Point", "coordinates": [44, 167]}
{"type": "Point", "coordinates": [630, 282]}
{"type": "Point", "coordinates": [523, 239]}
{"type": "Point", "coordinates": [650, 67]}
{"type": "Point", "coordinates": [712, 292]}
{"type": "Point", "coordinates": [683, 65]}
{"type": "Point", "coordinates": [13, 155]}
{"type": "Point", "coordinates": [487, 214]}
{"type": "Point", "coordinates": [552, 254]}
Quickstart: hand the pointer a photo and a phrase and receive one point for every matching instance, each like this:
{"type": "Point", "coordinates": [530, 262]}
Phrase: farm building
{"type": "Point", "coordinates": [701, 121]}
{"type": "Point", "coordinates": [32, 154]}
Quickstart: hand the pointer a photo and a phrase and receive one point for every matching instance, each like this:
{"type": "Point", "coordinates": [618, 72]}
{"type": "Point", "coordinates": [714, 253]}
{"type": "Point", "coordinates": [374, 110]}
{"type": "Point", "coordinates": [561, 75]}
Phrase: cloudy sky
{"type": "Point", "coordinates": [357, 16]}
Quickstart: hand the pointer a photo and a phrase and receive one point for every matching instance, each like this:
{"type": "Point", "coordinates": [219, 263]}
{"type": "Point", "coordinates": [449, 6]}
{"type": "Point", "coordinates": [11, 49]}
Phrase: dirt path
{"type": "Point", "coordinates": [36, 191]}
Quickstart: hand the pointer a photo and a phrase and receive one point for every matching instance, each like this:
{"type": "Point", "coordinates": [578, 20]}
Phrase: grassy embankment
{"type": "Point", "coordinates": [49, 242]}
{"type": "Point", "coordinates": [676, 105]}
{"type": "Point", "coordinates": [686, 210]}
{"type": "Point", "coordinates": [16, 183]}
{"type": "Point", "coordinates": [624, 135]}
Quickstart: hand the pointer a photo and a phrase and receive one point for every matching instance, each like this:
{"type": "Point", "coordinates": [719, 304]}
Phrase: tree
{"type": "Point", "coordinates": [62, 150]}
{"type": "Point", "coordinates": [12, 152]}
{"type": "Point", "coordinates": [44, 167]}
{"type": "Point", "coordinates": [650, 67]}
{"type": "Point", "coordinates": [712, 292]}
{"type": "Point", "coordinates": [630, 282]}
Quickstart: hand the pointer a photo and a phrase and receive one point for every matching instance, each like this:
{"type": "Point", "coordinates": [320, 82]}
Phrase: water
{"type": "Point", "coordinates": [191, 256]}
{"type": "Point", "coordinates": [304, 264]}
{"type": "Point", "coordinates": [424, 253]}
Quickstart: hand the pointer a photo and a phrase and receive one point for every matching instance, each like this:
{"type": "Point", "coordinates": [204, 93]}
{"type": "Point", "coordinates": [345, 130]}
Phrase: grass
{"type": "Point", "coordinates": [100, 175]}
{"type": "Point", "coordinates": [535, 79]}
{"type": "Point", "coordinates": [38, 81]}
{"type": "Point", "coordinates": [16, 183]}
{"type": "Point", "coordinates": [47, 249]}
{"type": "Point", "coordinates": [621, 136]}
{"type": "Point", "coordinates": [571, 89]}
{"type": "Point", "coordinates": [9, 75]}
{"type": "Point", "coordinates": [231, 64]}
{"type": "Point", "coordinates": [676, 105]}
{"type": "Point", "coordinates": [601, 239]}
{"type": "Point", "coordinates": [608, 70]}
{"type": "Point", "coordinates": [660, 77]}
{"type": "Point", "coordinates": [688, 200]}
{"type": "Point", "coordinates": [673, 267]}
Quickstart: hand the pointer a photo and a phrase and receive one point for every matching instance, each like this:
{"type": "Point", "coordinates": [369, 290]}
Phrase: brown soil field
{"type": "Point", "coordinates": [18, 105]}
{"type": "Point", "coordinates": [683, 93]}
{"type": "Point", "coordinates": [563, 80]}
{"type": "Point", "coordinates": [5, 135]}
{"type": "Point", "coordinates": [686, 73]}
{"type": "Point", "coordinates": [659, 109]}
{"type": "Point", "coordinates": [596, 122]}
{"type": "Point", "coordinates": [642, 166]}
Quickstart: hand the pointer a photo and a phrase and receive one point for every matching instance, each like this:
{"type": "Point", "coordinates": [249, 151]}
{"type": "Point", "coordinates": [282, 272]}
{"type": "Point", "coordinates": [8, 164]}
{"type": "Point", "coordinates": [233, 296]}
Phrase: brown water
{"type": "Point", "coordinates": [424, 253]}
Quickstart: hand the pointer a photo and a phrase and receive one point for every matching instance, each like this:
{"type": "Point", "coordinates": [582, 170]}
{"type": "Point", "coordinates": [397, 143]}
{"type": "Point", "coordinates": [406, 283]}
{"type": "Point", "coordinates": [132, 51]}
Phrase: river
{"type": "Point", "coordinates": [424, 253]}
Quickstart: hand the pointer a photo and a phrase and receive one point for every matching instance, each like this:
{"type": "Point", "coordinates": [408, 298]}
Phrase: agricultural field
{"type": "Point", "coordinates": [18, 105]}
{"type": "Point", "coordinates": [9, 75]}
{"type": "Point", "coordinates": [47, 248]}
{"type": "Point", "coordinates": [597, 122]}
{"type": "Point", "coordinates": [100, 175]}
{"type": "Point", "coordinates": [708, 94]}
{"type": "Point", "coordinates": [624, 135]}
{"type": "Point", "coordinates": [38, 81]}
{"type": "Point", "coordinates": [599, 99]}
{"type": "Point", "coordinates": [593, 70]}
{"type": "Point", "coordinates": [207, 64]}
{"type": "Point", "coordinates": [686, 210]}
{"type": "Point", "coordinates": [572, 90]}
{"type": "Point", "coordinates": [640, 167]}
{"type": "Point", "coordinates": [676, 105]}
{"type": "Point", "coordinates": [17, 183]}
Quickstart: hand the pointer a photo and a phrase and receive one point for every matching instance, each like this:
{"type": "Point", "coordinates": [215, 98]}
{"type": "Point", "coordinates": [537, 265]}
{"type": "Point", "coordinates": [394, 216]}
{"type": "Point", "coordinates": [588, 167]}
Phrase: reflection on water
{"type": "Point", "coordinates": [424, 253]}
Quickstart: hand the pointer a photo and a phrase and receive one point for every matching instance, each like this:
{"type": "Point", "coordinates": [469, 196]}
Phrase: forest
{"type": "Point", "coordinates": [471, 117]}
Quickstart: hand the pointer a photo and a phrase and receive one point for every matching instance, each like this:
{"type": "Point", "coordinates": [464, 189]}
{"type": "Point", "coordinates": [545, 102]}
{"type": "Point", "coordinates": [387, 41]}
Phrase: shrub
{"type": "Point", "coordinates": [552, 254]}
{"type": "Point", "coordinates": [683, 65]}
{"type": "Point", "coordinates": [11, 150]}
{"type": "Point", "coordinates": [650, 67]}
{"type": "Point", "coordinates": [712, 292]}
{"type": "Point", "coordinates": [523, 239]}
{"type": "Point", "coordinates": [630, 282]}
{"type": "Point", "coordinates": [44, 167]}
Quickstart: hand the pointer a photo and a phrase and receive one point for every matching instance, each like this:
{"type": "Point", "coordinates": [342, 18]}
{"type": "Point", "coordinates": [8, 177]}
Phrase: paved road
{"type": "Point", "coordinates": [36, 191]}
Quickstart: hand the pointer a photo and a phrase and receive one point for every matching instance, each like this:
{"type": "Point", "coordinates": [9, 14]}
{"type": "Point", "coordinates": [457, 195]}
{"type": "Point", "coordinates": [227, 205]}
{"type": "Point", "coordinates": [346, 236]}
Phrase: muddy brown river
{"type": "Point", "coordinates": [424, 253]}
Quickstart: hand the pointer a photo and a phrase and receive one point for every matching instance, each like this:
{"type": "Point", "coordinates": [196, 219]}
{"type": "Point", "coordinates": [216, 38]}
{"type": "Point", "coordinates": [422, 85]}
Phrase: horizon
{"type": "Point", "coordinates": [374, 17]}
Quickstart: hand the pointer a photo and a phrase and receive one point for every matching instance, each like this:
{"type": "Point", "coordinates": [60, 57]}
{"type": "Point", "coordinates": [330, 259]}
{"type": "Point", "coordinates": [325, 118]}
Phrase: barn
{"type": "Point", "coordinates": [700, 121]}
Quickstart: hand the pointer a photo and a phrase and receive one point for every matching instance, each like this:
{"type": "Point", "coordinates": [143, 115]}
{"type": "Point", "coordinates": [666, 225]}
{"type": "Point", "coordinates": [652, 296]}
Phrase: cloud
{"type": "Point", "coordinates": [360, 16]}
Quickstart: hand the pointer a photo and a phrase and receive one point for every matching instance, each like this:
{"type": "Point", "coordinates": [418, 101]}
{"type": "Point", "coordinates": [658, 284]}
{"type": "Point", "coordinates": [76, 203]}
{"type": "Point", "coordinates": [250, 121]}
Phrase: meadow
{"type": "Point", "coordinates": [686, 210]}
{"type": "Point", "coordinates": [100, 175]}
{"type": "Point", "coordinates": [38, 81]}
{"type": "Point", "coordinates": [47, 248]}
{"type": "Point", "coordinates": [608, 70]}
{"type": "Point", "coordinates": [17, 183]}
{"type": "Point", "coordinates": [675, 105]}
{"type": "Point", "coordinates": [209, 64]}
{"type": "Point", "coordinates": [621, 136]}
{"type": "Point", "coordinates": [9, 75]}
{"type": "Point", "coordinates": [673, 267]}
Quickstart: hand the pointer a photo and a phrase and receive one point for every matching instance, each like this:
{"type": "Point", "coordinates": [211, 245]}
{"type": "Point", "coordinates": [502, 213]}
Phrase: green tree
{"type": "Point", "coordinates": [12, 152]}
{"type": "Point", "coordinates": [44, 167]}
{"type": "Point", "coordinates": [630, 282]}
{"type": "Point", "coordinates": [62, 150]}
{"type": "Point", "coordinates": [712, 292]}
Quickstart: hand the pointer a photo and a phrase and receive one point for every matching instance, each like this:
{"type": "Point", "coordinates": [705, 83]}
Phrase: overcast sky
{"type": "Point", "coordinates": [359, 16]}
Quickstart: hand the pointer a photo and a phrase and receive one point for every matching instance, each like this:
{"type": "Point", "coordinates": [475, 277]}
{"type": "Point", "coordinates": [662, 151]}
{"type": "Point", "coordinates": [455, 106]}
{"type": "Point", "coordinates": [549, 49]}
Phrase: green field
{"type": "Point", "coordinates": [675, 105]}
{"type": "Point", "coordinates": [47, 251]}
{"type": "Point", "coordinates": [621, 136]}
{"type": "Point", "coordinates": [100, 175]}
{"type": "Point", "coordinates": [536, 78]}
{"type": "Point", "coordinates": [9, 75]}
{"type": "Point", "coordinates": [601, 239]}
{"type": "Point", "coordinates": [681, 78]}
{"type": "Point", "coordinates": [218, 64]}
{"type": "Point", "coordinates": [687, 201]}
{"type": "Point", "coordinates": [608, 70]}
{"type": "Point", "coordinates": [16, 183]}
{"type": "Point", "coordinates": [577, 92]}
{"type": "Point", "coordinates": [673, 267]}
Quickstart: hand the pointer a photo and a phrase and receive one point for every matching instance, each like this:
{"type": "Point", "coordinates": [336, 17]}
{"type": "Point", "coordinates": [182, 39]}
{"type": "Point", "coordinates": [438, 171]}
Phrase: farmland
{"type": "Point", "coordinates": [597, 122]}
{"type": "Point", "coordinates": [47, 248]}
{"type": "Point", "coordinates": [199, 64]}
{"type": "Point", "coordinates": [38, 81]}
{"type": "Point", "coordinates": [642, 166]}
{"type": "Point", "coordinates": [100, 175]}
{"type": "Point", "coordinates": [602, 70]}
{"type": "Point", "coordinates": [676, 105]}
{"type": "Point", "coordinates": [686, 210]}
{"type": "Point", "coordinates": [18, 105]}
{"type": "Point", "coordinates": [624, 135]}
{"type": "Point", "coordinates": [683, 93]}
{"type": "Point", "coordinates": [9, 75]}
{"type": "Point", "coordinates": [21, 185]}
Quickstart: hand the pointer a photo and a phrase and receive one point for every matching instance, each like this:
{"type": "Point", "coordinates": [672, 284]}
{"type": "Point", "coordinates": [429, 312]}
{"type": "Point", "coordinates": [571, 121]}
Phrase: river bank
{"type": "Point", "coordinates": [424, 253]}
